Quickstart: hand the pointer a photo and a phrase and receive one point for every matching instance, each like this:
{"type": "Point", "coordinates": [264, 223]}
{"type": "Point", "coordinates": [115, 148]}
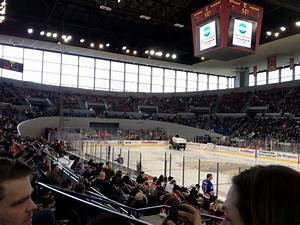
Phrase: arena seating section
{"type": "Point", "coordinates": [253, 116]}
{"type": "Point", "coordinates": [230, 114]}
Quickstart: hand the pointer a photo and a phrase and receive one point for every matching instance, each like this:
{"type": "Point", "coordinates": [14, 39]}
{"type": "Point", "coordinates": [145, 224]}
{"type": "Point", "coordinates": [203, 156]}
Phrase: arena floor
{"type": "Point", "coordinates": [153, 158]}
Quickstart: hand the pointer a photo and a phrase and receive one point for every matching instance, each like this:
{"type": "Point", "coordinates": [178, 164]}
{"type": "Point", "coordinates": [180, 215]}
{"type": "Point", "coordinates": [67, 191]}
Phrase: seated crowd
{"type": "Point", "coordinates": [251, 129]}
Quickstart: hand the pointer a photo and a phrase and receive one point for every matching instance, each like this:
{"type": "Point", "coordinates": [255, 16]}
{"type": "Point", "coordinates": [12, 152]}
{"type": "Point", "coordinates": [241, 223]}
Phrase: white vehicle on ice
{"type": "Point", "coordinates": [177, 143]}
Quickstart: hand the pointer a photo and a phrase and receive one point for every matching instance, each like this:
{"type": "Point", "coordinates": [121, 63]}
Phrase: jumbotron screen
{"type": "Point", "coordinates": [208, 35]}
{"type": "Point", "coordinates": [242, 33]}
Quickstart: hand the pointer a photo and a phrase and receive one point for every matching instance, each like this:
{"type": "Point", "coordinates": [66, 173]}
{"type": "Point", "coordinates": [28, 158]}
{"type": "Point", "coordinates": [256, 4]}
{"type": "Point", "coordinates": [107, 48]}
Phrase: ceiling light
{"type": "Point", "coordinates": [30, 30]}
{"type": "Point", "coordinates": [49, 34]}
{"type": "Point", "coordinates": [54, 35]}
{"type": "Point", "coordinates": [179, 25]}
{"type": "Point", "coordinates": [152, 52]}
{"type": "Point", "coordinates": [107, 45]}
{"type": "Point", "coordinates": [147, 52]}
{"type": "Point", "coordinates": [276, 34]}
{"type": "Point", "coordinates": [64, 36]}
{"type": "Point", "coordinates": [202, 58]}
{"type": "Point", "coordinates": [106, 8]}
{"type": "Point", "coordinates": [145, 17]}
{"type": "Point", "coordinates": [92, 45]}
{"type": "Point", "coordinates": [42, 33]}
{"type": "Point", "coordinates": [283, 28]}
{"type": "Point", "coordinates": [59, 43]}
{"type": "Point", "coordinates": [297, 23]}
{"type": "Point", "coordinates": [82, 40]}
{"type": "Point", "coordinates": [69, 37]}
{"type": "Point", "coordinates": [101, 46]}
{"type": "Point", "coordinates": [174, 56]}
{"type": "Point", "coordinates": [2, 10]}
{"type": "Point", "coordinates": [2, 18]}
{"type": "Point", "coordinates": [135, 52]}
{"type": "Point", "coordinates": [269, 33]}
{"type": "Point", "coordinates": [159, 54]}
{"type": "Point", "coordinates": [168, 55]}
{"type": "Point", "coordinates": [127, 51]}
{"type": "Point", "coordinates": [124, 48]}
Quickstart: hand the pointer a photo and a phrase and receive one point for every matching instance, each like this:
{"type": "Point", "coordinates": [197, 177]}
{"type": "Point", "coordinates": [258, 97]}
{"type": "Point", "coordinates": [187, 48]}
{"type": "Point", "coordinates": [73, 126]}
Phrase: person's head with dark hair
{"type": "Point", "coordinates": [161, 178]}
{"type": "Point", "coordinates": [209, 176]}
{"type": "Point", "coordinates": [16, 206]}
{"type": "Point", "coordinates": [264, 195]}
{"type": "Point", "coordinates": [66, 184]}
{"type": "Point", "coordinates": [79, 188]}
{"type": "Point", "coordinates": [170, 178]}
{"type": "Point", "coordinates": [154, 179]}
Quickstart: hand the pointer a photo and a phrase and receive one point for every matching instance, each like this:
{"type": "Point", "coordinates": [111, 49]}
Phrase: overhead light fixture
{"type": "Point", "coordinates": [92, 45]}
{"type": "Point", "coordinates": [145, 17]}
{"type": "Point", "coordinates": [3, 3]}
{"type": "Point", "coordinates": [69, 37]}
{"type": "Point", "coordinates": [30, 31]}
{"type": "Point", "coordinates": [174, 56]}
{"type": "Point", "coordinates": [119, 1]}
{"type": "Point", "coordinates": [82, 40]}
{"type": "Point", "coordinates": [135, 52]}
{"type": "Point", "coordinates": [42, 33]}
{"type": "Point", "coordinates": [107, 45]}
{"type": "Point", "coordinates": [2, 11]}
{"type": "Point", "coordinates": [276, 34]}
{"type": "Point", "coordinates": [59, 43]}
{"type": "Point", "coordinates": [124, 48]}
{"type": "Point", "coordinates": [101, 46]}
{"type": "Point", "coordinates": [127, 51]}
{"type": "Point", "coordinates": [159, 54]}
{"type": "Point", "coordinates": [179, 25]}
{"type": "Point", "coordinates": [147, 52]}
{"type": "Point", "coordinates": [152, 52]}
{"type": "Point", "coordinates": [168, 55]}
{"type": "Point", "coordinates": [269, 33]}
{"type": "Point", "coordinates": [297, 23]}
{"type": "Point", "coordinates": [106, 8]}
{"type": "Point", "coordinates": [283, 28]}
{"type": "Point", "coordinates": [202, 58]}
{"type": "Point", "coordinates": [64, 36]}
{"type": "Point", "coordinates": [54, 35]}
{"type": "Point", "coordinates": [49, 34]}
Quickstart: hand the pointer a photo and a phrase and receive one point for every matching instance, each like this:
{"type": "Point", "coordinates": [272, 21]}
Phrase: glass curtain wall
{"type": "Point", "coordinates": [68, 70]}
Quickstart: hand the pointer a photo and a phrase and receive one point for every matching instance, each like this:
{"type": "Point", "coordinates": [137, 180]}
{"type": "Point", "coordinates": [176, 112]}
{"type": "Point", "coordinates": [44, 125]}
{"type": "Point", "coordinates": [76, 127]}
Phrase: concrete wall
{"type": "Point", "coordinates": [36, 127]}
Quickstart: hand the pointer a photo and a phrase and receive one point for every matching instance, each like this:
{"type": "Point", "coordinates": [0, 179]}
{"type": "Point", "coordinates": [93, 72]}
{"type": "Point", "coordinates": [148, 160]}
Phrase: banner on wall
{"type": "Point", "coordinates": [292, 63]}
{"type": "Point", "coordinates": [272, 63]}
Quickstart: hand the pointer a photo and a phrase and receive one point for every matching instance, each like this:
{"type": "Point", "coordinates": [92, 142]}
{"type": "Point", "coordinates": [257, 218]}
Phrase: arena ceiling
{"type": "Point", "coordinates": [122, 25]}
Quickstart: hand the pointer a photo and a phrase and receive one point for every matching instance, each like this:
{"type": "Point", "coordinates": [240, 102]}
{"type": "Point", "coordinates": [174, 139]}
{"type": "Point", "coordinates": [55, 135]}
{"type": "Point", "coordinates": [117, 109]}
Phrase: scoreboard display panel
{"type": "Point", "coordinates": [11, 65]}
{"type": "Point", "coordinates": [242, 33]}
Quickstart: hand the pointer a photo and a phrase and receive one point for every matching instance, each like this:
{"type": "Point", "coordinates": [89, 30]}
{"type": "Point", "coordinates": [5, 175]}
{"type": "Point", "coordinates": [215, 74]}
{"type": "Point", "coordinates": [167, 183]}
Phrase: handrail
{"type": "Point", "coordinates": [129, 218]}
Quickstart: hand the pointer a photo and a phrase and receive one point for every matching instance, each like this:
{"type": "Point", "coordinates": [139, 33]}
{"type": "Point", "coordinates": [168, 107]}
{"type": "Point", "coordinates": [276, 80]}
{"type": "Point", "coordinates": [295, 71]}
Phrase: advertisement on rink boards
{"type": "Point", "coordinates": [144, 142]}
{"type": "Point", "coordinates": [284, 156]}
{"type": "Point", "coordinates": [260, 154]}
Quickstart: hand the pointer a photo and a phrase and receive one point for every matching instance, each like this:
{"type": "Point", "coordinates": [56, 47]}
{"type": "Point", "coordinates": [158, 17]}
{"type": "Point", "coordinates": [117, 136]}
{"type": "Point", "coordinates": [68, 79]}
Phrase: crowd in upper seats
{"type": "Point", "coordinates": [279, 129]}
{"type": "Point", "coordinates": [279, 100]}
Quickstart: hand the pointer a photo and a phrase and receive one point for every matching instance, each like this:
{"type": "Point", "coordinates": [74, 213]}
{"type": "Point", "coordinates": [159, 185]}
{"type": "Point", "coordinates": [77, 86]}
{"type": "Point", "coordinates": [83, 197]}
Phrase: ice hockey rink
{"type": "Point", "coordinates": [153, 163]}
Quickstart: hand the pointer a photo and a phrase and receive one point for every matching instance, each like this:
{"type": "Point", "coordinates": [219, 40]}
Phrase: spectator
{"type": "Point", "coordinates": [264, 195]}
{"type": "Point", "coordinates": [16, 206]}
{"type": "Point", "coordinates": [208, 190]}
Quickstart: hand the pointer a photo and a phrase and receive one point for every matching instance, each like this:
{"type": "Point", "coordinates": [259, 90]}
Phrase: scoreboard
{"type": "Point", "coordinates": [226, 29]}
{"type": "Point", "coordinates": [11, 65]}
